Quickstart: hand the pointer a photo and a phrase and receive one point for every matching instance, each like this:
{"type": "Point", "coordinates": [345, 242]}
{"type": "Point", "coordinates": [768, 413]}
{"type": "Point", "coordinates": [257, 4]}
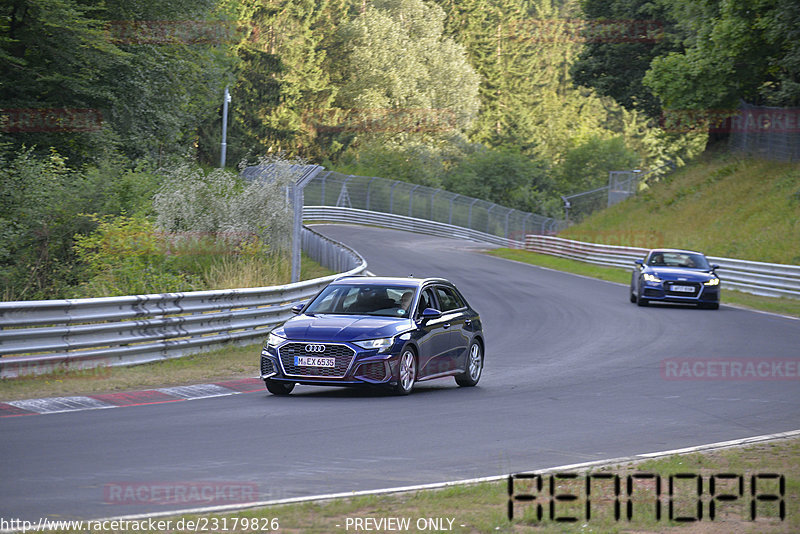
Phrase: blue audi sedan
{"type": "Point", "coordinates": [669, 275]}
{"type": "Point", "coordinates": [370, 331]}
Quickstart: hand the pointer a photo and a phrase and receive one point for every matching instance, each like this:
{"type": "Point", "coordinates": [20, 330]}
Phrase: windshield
{"type": "Point", "coordinates": [684, 260]}
{"type": "Point", "coordinates": [380, 300]}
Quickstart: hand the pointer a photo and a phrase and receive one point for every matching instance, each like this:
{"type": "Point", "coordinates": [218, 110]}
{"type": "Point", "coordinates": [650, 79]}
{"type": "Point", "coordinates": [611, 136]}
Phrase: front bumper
{"type": "Point", "coordinates": [359, 368]}
{"type": "Point", "coordinates": [663, 292]}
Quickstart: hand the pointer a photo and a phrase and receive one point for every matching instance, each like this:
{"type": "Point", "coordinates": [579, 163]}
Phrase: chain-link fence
{"type": "Point", "coordinates": [621, 185]}
{"type": "Point", "coordinates": [422, 202]}
{"type": "Point", "coordinates": [767, 132]}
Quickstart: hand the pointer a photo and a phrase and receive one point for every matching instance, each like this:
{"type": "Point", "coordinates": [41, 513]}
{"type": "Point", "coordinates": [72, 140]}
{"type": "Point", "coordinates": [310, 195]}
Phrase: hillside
{"type": "Point", "coordinates": [720, 204]}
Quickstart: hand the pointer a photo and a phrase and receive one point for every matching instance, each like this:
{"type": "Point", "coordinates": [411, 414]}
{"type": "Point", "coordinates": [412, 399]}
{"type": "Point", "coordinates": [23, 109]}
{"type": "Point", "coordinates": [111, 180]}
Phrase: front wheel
{"type": "Point", "coordinates": [640, 301]}
{"type": "Point", "coordinates": [279, 388]}
{"type": "Point", "coordinates": [474, 367]}
{"type": "Point", "coordinates": [407, 371]}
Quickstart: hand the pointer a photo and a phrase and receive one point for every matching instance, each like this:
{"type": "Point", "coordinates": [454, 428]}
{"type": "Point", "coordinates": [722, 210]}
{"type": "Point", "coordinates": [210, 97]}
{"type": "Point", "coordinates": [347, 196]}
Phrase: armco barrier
{"type": "Point", "coordinates": [759, 278]}
{"type": "Point", "coordinates": [401, 222]}
{"type": "Point", "coordinates": [42, 336]}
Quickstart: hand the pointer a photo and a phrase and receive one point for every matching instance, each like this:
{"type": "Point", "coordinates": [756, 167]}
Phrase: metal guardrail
{"type": "Point", "coordinates": [422, 202]}
{"type": "Point", "coordinates": [402, 222]}
{"type": "Point", "coordinates": [42, 336]}
{"type": "Point", "coordinates": [758, 278]}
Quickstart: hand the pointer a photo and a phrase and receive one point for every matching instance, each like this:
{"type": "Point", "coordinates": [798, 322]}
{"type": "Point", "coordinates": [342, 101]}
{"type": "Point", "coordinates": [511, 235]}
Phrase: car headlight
{"type": "Point", "coordinates": [651, 278]}
{"type": "Point", "coordinates": [274, 340]}
{"type": "Point", "coordinates": [381, 344]}
{"type": "Point", "coordinates": [712, 282]}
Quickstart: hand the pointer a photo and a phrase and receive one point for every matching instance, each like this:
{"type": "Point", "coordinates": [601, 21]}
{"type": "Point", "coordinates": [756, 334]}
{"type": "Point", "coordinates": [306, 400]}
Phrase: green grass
{"type": "Point", "coordinates": [224, 364]}
{"type": "Point", "coordinates": [784, 306]}
{"type": "Point", "coordinates": [723, 205]}
{"type": "Point", "coordinates": [483, 508]}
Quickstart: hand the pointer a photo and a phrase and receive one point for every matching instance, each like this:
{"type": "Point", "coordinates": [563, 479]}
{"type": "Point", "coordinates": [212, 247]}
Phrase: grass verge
{"type": "Point", "coordinates": [722, 204]}
{"type": "Point", "coordinates": [224, 364]}
{"type": "Point", "coordinates": [216, 366]}
{"type": "Point", "coordinates": [784, 306]}
{"type": "Point", "coordinates": [483, 508]}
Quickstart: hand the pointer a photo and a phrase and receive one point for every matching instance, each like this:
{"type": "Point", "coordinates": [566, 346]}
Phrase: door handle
{"type": "Point", "coordinates": [446, 326]}
{"type": "Point", "coordinates": [468, 322]}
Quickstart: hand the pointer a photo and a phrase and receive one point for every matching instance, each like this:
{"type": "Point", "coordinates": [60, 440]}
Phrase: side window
{"type": "Point", "coordinates": [448, 299]}
{"type": "Point", "coordinates": [426, 300]}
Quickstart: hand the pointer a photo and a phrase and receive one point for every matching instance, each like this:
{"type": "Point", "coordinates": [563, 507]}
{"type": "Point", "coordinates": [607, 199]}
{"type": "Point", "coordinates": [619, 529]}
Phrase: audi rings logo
{"type": "Point", "coordinates": [315, 348]}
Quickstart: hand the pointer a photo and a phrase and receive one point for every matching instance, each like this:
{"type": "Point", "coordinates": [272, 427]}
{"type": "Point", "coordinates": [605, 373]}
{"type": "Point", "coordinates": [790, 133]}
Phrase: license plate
{"type": "Point", "coordinates": [314, 361]}
{"type": "Point", "coordinates": [683, 289]}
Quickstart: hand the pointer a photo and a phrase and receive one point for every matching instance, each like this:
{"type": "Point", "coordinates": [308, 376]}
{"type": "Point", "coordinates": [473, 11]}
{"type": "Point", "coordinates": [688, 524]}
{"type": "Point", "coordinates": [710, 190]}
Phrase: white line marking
{"type": "Point", "coordinates": [60, 404]}
{"type": "Point", "coordinates": [440, 485]}
{"type": "Point", "coordinates": [197, 391]}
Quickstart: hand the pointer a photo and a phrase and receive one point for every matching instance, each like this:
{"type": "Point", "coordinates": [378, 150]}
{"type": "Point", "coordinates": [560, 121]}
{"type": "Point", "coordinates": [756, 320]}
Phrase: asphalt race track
{"type": "Point", "coordinates": [573, 373]}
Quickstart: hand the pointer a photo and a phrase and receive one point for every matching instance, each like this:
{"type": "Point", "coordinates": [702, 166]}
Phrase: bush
{"type": "Point", "coordinates": [219, 202]}
{"type": "Point", "coordinates": [41, 202]}
{"type": "Point", "coordinates": [587, 166]}
{"type": "Point", "coordinates": [126, 255]}
{"type": "Point", "coordinates": [505, 177]}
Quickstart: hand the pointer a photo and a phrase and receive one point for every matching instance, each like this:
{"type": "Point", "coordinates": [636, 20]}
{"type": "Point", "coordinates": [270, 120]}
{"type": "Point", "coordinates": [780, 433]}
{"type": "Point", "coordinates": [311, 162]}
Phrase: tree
{"type": "Point", "coordinates": [745, 50]}
{"type": "Point", "coordinates": [587, 166]}
{"type": "Point", "coordinates": [281, 80]}
{"type": "Point", "coordinates": [136, 66]}
{"type": "Point", "coordinates": [614, 65]}
{"type": "Point", "coordinates": [505, 177]}
{"type": "Point", "coordinates": [400, 77]}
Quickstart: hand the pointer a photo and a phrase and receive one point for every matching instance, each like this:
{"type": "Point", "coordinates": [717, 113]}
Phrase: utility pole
{"type": "Point", "coordinates": [224, 127]}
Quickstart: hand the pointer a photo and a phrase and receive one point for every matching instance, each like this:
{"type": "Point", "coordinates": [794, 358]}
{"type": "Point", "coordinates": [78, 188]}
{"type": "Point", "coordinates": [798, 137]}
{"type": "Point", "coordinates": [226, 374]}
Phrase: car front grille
{"type": "Point", "coordinates": [267, 368]}
{"type": "Point", "coordinates": [342, 354]}
{"type": "Point", "coordinates": [695, 285]}
{"type": "Point", "coordinates": [373, 371]}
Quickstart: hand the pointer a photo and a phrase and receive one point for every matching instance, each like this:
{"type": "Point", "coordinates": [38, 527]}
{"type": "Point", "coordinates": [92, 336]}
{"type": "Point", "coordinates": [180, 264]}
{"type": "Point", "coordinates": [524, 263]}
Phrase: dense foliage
{"type": "Point", "coordinates": [104, 104]}
{"type": "Point", "coordinates": [709, 54]}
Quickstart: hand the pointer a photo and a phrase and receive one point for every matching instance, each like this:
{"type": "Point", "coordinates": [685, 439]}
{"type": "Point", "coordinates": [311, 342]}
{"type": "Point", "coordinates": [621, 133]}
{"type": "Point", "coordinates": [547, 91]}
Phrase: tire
{"type": "Point", "coordinates": [407, 372]}
{"type": "Point", "coordinates": [279, 388]}
{"type": "Point", "coordinates": [712, 306]}
{"type": "Point", "coordinates": [641, 301]}
{"type": "Point", "coordinates": [474, 366]}
{"type": "Point", "coordinates": [633, 297]}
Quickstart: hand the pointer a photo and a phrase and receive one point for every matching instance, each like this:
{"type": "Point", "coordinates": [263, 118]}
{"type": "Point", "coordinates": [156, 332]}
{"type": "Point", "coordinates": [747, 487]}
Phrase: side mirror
{"type": "Point", "coordinates": [714, 266]}
{"type": "Point", "coordinates": [297, 308]}
{"type": "Point", "coordinates": [639, 262]}
{"type": "Point", "coordinates": [430, 313]}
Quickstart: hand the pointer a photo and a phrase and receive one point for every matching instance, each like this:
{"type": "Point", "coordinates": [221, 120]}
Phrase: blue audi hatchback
{"type": "Point", "coordinates": [371, 331]}
{"type": "Point", "coordinates": [669, 275]}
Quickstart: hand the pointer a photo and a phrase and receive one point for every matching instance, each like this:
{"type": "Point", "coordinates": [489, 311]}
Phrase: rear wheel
{"type": "Point", "coordinates": [474, 367]}
{"type": "Point", "coordinates": [407, 372]}
{"type": "Point", "coordinates": [279, 388]}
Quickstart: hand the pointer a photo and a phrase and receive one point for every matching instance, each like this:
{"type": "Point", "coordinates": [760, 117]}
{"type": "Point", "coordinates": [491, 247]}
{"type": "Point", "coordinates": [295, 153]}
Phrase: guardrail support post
{"type": "Point", "coordinates": [300, 183]}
